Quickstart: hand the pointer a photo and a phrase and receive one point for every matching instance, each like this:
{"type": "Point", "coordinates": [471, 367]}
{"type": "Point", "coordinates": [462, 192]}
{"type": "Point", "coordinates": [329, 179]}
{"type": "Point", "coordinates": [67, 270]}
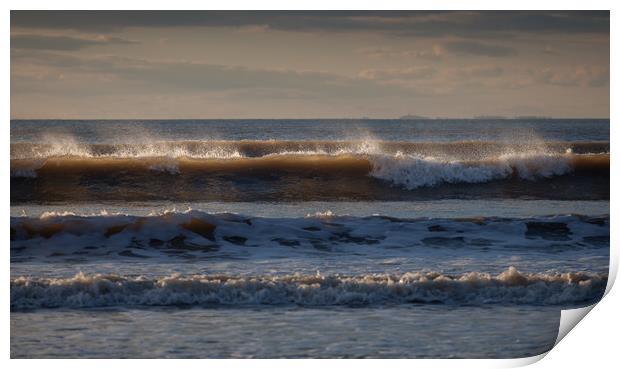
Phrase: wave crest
{"type": "Point", "coordinates": [413, 171]}
{"type": "Point", "coordinates": [68, 147]}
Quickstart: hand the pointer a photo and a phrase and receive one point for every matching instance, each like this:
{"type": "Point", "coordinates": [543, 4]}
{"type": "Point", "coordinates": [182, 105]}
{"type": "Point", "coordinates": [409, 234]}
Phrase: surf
{"type": "Point", "coordinates": [508, 287]}
{"type": "Point", "coordinates": [197, 235]}
{"type": "Point", "coordinates": [311, 170]}
{"type": "Point", "coordinates": [384, 166]}
{"type": "Point", "coordinates": [206, 149]}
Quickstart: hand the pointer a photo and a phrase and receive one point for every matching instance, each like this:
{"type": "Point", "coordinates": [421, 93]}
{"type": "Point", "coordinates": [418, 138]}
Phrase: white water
{"type": "Point", "coordinates": [413, 171]}
{"type": "Point", "coordinates": [57, 236]}
{"type": "Point", "coordinates": [509, 287]}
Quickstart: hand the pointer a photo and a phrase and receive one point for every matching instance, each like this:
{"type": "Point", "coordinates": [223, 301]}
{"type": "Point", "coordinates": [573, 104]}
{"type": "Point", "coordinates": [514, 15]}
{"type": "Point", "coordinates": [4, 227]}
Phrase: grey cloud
{"type": "Point", "coordinates": [437, 23]}
{"type": "Point", "coordinates": [591, 76]}
{"type": "Point", "coordinates": [412, 73]}
{"type": "Point", "coordinates": [477, 48]}
{"type": "Point", "coordinates": [482, 71]}
{"type": "Point", "coordinates": [61, 43]}
{"type": "Point", "coordinates": [168, 76]}
{"type": "Point", "coordinates": [433, 53]}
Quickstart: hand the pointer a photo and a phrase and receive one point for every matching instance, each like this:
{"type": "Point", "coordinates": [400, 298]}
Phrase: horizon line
{"type": "Point", "coordinates": [338, 118]}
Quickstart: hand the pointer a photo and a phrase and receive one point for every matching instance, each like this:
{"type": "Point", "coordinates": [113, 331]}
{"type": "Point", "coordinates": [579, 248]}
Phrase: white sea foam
{"type": "Point", "coordinates": [413, 171]}
{"type": "Point", "coordinates": [509, 287]}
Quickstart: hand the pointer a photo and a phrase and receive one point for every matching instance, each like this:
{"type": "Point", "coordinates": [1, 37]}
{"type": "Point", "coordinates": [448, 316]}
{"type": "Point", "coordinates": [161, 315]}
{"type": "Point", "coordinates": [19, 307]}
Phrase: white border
{"type": "Point", "coordinates": [594, 341]}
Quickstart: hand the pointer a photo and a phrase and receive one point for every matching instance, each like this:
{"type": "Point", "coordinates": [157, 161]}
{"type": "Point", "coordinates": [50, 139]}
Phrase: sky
{"type": "Point", "coordinates": [270, 64]}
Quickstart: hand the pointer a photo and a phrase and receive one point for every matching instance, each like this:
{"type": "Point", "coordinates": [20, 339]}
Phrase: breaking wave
{"type": "Point", "coordinates": [302, 170]}
{"type": "Point", "coordinates": [413, 172]}
{"type": "Point", "coordinates": [200, 236]}
{"type": "Point", "coordinates": [509, 287]}
{"type": "Point", "coordinates": [410, 170]}
{"type": "Point", "coordinates": [252, 148]}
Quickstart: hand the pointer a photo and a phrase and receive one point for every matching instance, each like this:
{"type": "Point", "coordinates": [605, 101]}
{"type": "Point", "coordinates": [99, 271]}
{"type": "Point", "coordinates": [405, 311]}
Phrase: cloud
{"type": "Point", "coordinates": [436, 52]}
{"type": "Point", "coordinates": [430, 80]}
{"type": "Point", "coordinates": [480, 49]}
{"type": "Point", "coordinates": [442, 62]}
{"type": "Point", "coordinates": [440, 50]}
{"type": "Point", "coordinates": [41, 70]}
{"type": "Point", "coordinates": [584, 76]}
{"type": "Point", "coordinates": [473, 72]}
{"type": "Point", "coordinates": [396, 75]}
{"type": "Point", "coordinates": [62, 43]}
{"type": "Point", "coordinates": [422, 23]}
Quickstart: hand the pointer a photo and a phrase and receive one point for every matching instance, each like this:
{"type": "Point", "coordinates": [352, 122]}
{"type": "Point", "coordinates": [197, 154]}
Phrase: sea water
{"type": "Point", "coordinates": [331, 238]}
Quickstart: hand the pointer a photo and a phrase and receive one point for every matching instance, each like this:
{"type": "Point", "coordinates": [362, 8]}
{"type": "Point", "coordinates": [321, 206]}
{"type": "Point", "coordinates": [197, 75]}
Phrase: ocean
{"type": "Point", "coordinates": [304, 238]}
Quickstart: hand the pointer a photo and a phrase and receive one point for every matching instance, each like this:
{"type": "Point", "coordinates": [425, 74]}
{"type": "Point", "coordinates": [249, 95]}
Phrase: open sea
{"type": "Point", "coordinates": [304, 238]}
